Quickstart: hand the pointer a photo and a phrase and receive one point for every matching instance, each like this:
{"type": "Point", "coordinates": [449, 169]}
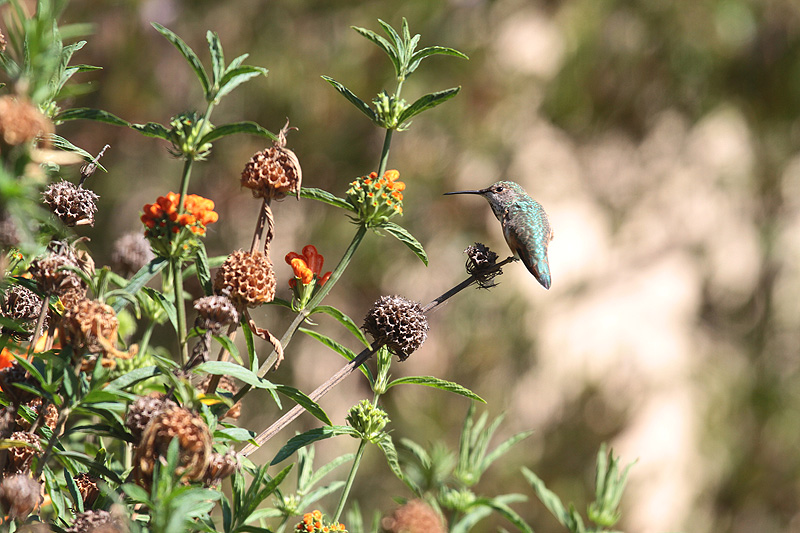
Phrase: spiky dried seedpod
{"type": "Point", "coordinates": [35, 405]}
{"type": "Point", "coordinates": [97, 521]}
{"type": "Point", "coordinates": [215, 312]}
{"type": "Point", "coordinates": [73, 204]}
{"type": "Point", "coordinates": [16, 373]}
{"type": "Point", "coordinates": [481, 263]}
{"type": "Point", "coordinates": [194, 440]}
{"type": "Point", "coordinates": [19, 496]}
{"type": "Point", "coordinates": [399, 323]}
{"type": "Point", "coordinates": [88, 489]}
{"type": "Point", "coordinates": [219, 467]}
{"type": "Point", "coordinates": [226, 384]}
{"type": "Point", "coordinates": [131, 252]}
{"type": "Point", "coordinates": [20, 457]}
{"type": "Point", "coordinates": [53, 274]}
{"type": "Point", "coordinates": [415, 516]}
{"type": "Point", "coordinates": [2, 42]}
{"type": "Point", "coordinates": [21, 122]}
{"type": "Point", "coordinates": [274, 172]}
{"type": "Point", "coordinates": [143, 410]}
{"type": "Point", "coordinates": [90, 325]}
{"type": "Point", "coordinates": [247, 278]}
{"type": "Point", "coordinates": [24, 305]}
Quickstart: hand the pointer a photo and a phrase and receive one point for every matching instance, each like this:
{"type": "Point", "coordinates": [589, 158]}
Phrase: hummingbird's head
{"type": "Point", "coordinates": [499, 195]}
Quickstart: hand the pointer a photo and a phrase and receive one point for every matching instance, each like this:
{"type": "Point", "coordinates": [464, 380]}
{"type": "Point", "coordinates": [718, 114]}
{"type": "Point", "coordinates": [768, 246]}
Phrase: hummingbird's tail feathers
{"type": "Point", "coordinates": [540, 269]}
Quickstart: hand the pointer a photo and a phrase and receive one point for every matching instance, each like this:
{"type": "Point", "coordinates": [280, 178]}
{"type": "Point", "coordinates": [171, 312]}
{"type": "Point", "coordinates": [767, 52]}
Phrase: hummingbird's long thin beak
{"type": "Point", "coordinates": [481, 191]}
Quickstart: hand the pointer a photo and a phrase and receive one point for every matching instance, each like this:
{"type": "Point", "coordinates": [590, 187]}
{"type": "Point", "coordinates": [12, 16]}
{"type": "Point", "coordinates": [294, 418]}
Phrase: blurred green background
{"type": "Point", "coordinates": [661, 137]}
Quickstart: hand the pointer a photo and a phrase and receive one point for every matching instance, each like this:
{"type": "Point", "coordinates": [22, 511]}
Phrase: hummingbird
{"type": "Point", "coordinates": [525, 225]}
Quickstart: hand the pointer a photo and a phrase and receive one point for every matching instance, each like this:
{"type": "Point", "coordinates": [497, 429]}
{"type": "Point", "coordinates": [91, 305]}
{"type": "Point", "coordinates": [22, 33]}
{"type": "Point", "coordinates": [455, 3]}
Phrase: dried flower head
{"type": "Point", "coordinates": [375, 199]}
{"type": "Point", "coordinates": [21, 122]}
{"type": "Point", "coordinates": [273, 172]}
{"type": "Point", "coordinates": [97, 521]}
{"type": "Point", "coordinates": [54, 275]}
{"type": "Point", "coordinates": [20, 457]}
{"type": "Point", "coordinates": [88, 489]}
{"type": "Point", "coordinates": [194, 440]}
{"type": "Point", "coordinates": [92, 326]}
{"type": "Point", "coordinates": [399, 323]}
{"type": "Point", "coordinates": [219, 467]}
{"type": "Point", "coordinates": [23, 305]}
{"type": "Point", "coordinates": [247, 278]}
{"type": "Point", "coordinates": [16, 373]}
{"type": "Point", "coordinates": [315, 522]}
{"type": "Point", "coordinates": [9, 235]}
{"type": "Point", "coordinates": [130, 253]}
{"type": "Point", "coordinates": [35, 405]}
{"type": "Point", "coordinates": [73, 204]}
{"type": "Point", "coordinates": [481, 263]}
{"type": "Point", "coordinates": [143, 410]}
{"type": "Point", "coordinates": [2, 42]}
{"type": "Point", "coordinates": [19, 495]}
{"type": "Point", "coordinates": [215, 312]}
{"type": "Point", "coordinates": [415, 516]}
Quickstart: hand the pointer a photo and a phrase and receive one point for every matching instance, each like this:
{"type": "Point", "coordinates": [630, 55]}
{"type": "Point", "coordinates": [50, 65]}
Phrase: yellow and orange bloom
{"type": "Point", "coordinates": [376, 199]}
{"type": "Point", "coordinates": [163, 220]}
{"type": "Point", "coordinates": [307, 268]}
{"type": "Point", "coordinates": [314, 522]}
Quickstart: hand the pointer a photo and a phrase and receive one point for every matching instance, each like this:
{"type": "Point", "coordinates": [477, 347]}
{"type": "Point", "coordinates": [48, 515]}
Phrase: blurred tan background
{"type": "Point", "coordinates": [661, 137]}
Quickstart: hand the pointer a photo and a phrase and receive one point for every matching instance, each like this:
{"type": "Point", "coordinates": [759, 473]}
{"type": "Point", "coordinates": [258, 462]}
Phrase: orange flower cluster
{"type": "Point", "coordinates": [312, 523]}
{"type": "Point", "coordinates": [163, 217]}
{"type": "Point", "coordinates": [306, 267]}
{"type": "Point", "coordinates": [377, 199]}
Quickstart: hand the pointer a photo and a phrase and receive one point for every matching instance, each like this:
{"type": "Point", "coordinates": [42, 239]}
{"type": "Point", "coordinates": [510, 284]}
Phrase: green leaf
{"type": "Point", "coordinates": [548, 498]}
{"type": "Point", "coordinates": [400, 233]}
{"type": "Point", "coordinates": [507, 512]}
{"type": "Point", "coordinates": [355, 100]}
{"type": "Point", "coordinates": [235, 77]}
{"type": "Point", "coordinates": [152, 129]}
{"type": "Point", "coordinates": [503, 448]}
{"type": "Point", "coordinates": [166, 305]}
{"type": "Point", "coordinates": [426, 102]}
{"type": "Point", "coordinates": [345, 320]}
{"type": "Point", "coordinates": [387, 446]}
{"type": "Point", "coordinates": [236, 127]}
{"type": "Point", "coordinates": [203, 269]}
{"type": "Point", "coordinates": [324, 196]}
{"type": "Point", "coordinates": [226, 368]}
{"type": "Point", "coordinates": [134, 376]}
{"type": "Point", "coordinates": [230, 346]}
{"type": "Point", "coordinates": [235, 434]}
{"type": "Point", "coordinates": [310, 436]}
{"type": "Point", "coordinates": [437, 383]}
{"type": "Point", "coordinates": [303, 400]}
{"type": "Point", "coordinates": [86, 113]}
{"type": "Point", "coordinates": [141, 278]}
{"type": "Point", "coordinates": [386, 46]}
{"type": "Point", "coordinates": [419, 55]}
{"type": "Point", "coordinates": [187, 53]}
{"type": "Point", "coordinates": [341, 350]}
{"type": "Point", "coordinates": [217, 59]}
{"type": "Point", "coordinates": [249, 342]}
{"type": "Point", "coordinates": [63, 144]}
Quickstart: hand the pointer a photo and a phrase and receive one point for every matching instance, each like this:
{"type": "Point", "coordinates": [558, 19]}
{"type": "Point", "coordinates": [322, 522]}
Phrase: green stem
{"type": "Point", "coordinates": [387, 142]}
{"type": "Point", "coordinates": [350, 478]}
{"type": "Point", "coordinates": [313, 303]}
{"type": "Point", "coordinates": [187, 172]}
{"type": "Point", "coordinates": [177, 287]}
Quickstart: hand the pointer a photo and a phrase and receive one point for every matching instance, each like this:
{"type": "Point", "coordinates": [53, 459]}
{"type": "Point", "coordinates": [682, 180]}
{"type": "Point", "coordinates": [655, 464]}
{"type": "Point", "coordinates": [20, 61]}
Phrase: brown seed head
{"type": "Point", "coordinates": [16, 373]}
{"type": "Point", "coordinates": [24, 305]}
{"type": "Point", "coordinates": [143, 410]}
{"type": "Point", "coordinates": [73, 204]}
{"type": "Point", "coordinates": [247, 278]}
{"type": "Point", "coordinates": [130, 253]}
{"type": "Point", "coordinates": [87, 486]}
{"type": "Point", "coordinates": [50, 414]}
{"type": "Point", "coordinates": [19, 495]}
{"type": "Point", "coordinates": [399, 323]}
{"type": "Point", "coordinates": [215, 312]}
{"type": "Point", "coordinates": [50, 274]}
{"type": "Point", "coordinates": [415, 516]}
{"type": "Point", "coordinates": [226, 384]}
{"type": "Point", "coordinates": [273, 172]}
{"type": "Point", "coordinates": [21, 122]}
{"type": "Point", "coordinates": [21, 457]}
{"type": "Point", "coordinates": [219, 467]}
{"type": "Point", "coordinates": [97, 521]}
{"type": "Point", "coordinates": [90, 325]}
{"type": "Point", "coordinates": [194, 440]}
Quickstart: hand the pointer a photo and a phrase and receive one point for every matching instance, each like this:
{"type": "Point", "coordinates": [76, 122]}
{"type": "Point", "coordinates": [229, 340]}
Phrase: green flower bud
{"type": "Point", "coordinates": [367, 420]}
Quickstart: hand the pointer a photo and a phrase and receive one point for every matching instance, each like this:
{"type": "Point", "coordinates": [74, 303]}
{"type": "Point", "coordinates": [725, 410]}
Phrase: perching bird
{"type": "Point", "coordinates": [525, 225]}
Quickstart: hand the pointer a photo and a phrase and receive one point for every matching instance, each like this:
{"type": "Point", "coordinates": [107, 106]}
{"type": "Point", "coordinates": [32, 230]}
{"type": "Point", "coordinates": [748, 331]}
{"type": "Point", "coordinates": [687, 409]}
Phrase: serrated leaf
{"type": "Point", "coordinates": [217, 58]}
{"type": "Point", "coordinates": [355, 100]}
{"type": "Point", "coordinates": [226, 368]}
{"type": "Point", "coordinates": [503, 448]}
{"type": "Point", "coordinates": [233, 128]}
{"type": "Point", "coordinates": [383, 44]}
{"type": "Point", "coordinates": [86, 113]}
{"type": "Point", "coordinates": [401, 234]}
{"type": "Point", "coordinates": [344, 320]}
{"type": "Point", "coordinates": [548, 498]}
{"type": "Point", "coordinates": [437, 383]}
{"type": "Point", "coordinates": [303, 400]}
{"type": "Point", "coordinates": [310, 436]}
{"type": "Point", "coordinates": [419, 55]}
{"type": "Point", "coordinates": [234, 78]}
{"type": "Point", "coordinates": [426, 102]}
{"type": "Point", "coordinates": [341, 350]}
{"type": "Point", "coordinates": [152, 129]}
{"type": "Point", "coordinates": [324, 196]}
{"type": "Point", "coordinates": [387, 446]}
{"type": "Point", "coordinates": [187, 53]}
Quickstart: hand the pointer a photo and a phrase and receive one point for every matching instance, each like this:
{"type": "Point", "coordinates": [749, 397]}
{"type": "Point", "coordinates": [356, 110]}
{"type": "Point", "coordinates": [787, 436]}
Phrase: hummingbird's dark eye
{"type": "Point", "coordinates": [498, 189]}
